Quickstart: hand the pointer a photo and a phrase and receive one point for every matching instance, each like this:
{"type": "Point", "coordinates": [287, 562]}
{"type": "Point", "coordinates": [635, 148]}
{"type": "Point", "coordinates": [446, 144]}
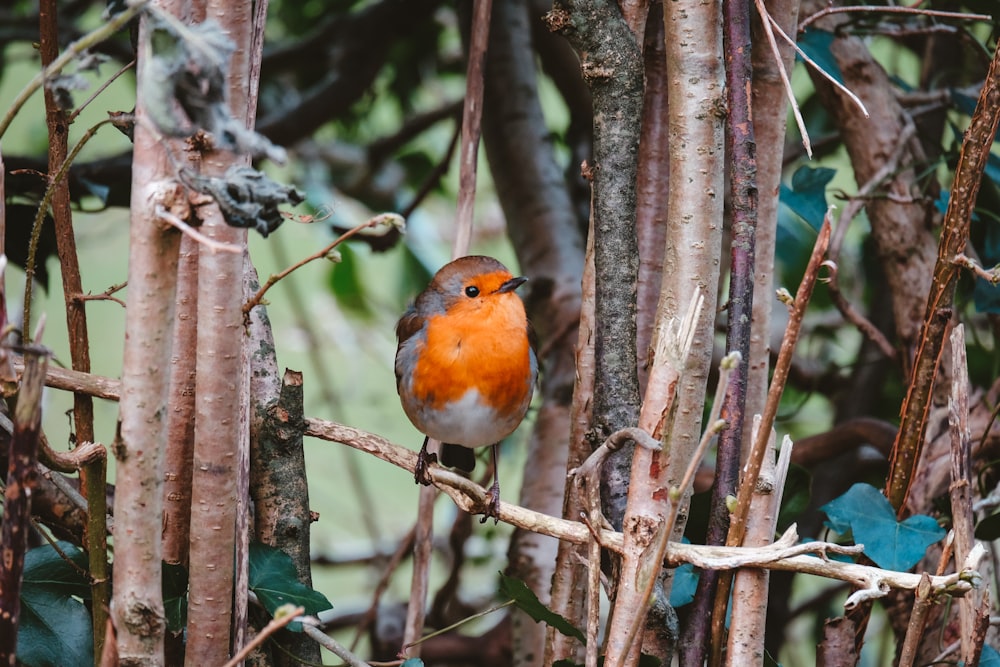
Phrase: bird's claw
{"type": "Point", "coordinates": [421, 471]}
{"type": "Point", "coordinates": [492, 505]}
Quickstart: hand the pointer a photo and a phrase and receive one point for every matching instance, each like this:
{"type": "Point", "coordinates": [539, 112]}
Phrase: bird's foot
{"type": "Point", "coordinates": [492, 504]}
{"type": "Point", "coordinates": [421, 471]}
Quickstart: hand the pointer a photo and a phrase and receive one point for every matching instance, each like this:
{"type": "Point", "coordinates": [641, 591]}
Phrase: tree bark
{"type": "Point", "coordinates": [218, 425]}
{"type": "Point", "coordinates": [20, 481]}
{"type": "Point", "coordinates": [546, 238]}
{"type": "Point", "coordinates": [612, 67]}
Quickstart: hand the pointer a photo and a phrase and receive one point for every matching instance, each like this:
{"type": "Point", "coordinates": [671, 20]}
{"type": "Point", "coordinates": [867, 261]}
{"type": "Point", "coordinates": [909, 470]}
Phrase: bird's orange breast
{"type": "Point", "coordinates": [481, 346]}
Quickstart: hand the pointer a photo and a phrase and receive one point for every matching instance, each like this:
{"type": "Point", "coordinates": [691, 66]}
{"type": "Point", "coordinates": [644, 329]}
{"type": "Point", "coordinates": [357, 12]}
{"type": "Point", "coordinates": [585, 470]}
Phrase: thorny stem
{"type": "Point", "coordinates": [938, 310]}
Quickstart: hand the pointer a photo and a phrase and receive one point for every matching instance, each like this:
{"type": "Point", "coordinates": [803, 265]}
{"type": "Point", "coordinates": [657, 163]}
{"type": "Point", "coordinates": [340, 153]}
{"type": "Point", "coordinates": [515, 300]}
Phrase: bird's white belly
{"type": "Point", "coordinates": [466, 422]}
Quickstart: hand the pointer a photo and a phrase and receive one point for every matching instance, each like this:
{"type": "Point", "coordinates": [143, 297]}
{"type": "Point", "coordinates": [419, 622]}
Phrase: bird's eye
{"type": "Point", "coordinates": [472, 291]}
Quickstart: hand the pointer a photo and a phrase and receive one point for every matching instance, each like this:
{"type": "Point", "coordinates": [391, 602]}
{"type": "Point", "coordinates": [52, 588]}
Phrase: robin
{"type": "Point", "coordinates": [465, 367]}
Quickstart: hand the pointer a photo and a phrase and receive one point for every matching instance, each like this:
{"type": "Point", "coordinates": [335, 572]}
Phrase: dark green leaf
{"type": "Point", "coordinates": [684, 586]}
{"type": "Point", "coordinates": [47, 569]}
{"type": "Point", "coordinates": [988, 529]}
{"type": "Point", "coordinates": [527, 602]}
{"type": "Point", "coordinates": [989, 657]}
{"type": "Point", "coordinates": [816, 44]}
{"type": "Point", "coordinates": [807, 195]}
{"type": "Point", "coordinates": [175, 585]}
{"type": "Point", "coordinates": [55, 629]}
{"type": "Point", "coordinates": [890, 543]}
{"type": "Point", "coordinates": [274, 580]}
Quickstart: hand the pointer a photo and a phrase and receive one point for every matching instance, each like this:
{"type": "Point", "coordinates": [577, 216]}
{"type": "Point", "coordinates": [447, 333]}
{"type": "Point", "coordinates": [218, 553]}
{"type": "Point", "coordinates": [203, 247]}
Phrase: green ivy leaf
{"type": "Point", "coordinates": [807, 194]}
{"type": "Point", "coordinates": [45, 567]}
{"type": "Point", "coordinates": [989, 657]}
{"type": "Point", "coordinates": [816, 44]}
{"type": "Point", "coordinates": [892, 544]}
{"type": "Point", "coordinates": [684, 586]}
{"type": "Point", "coordinates": [526, 601]}
{"type": "Point", "coordinates": [55, 628]}
{"type": "Point", "coordinates": [274, 580]}
{"type": "Point", "coordinates": [413, 662]}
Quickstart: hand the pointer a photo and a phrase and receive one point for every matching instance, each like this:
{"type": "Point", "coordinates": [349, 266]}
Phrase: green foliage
{"type": "Point", "coordinates": [55, 626]}
{"type": "Point", "coordinates": [684, 585]}
{"type": "Point", "coordinates": [413, 662]}
{"type": "Point", "coordinates": [274, 581]}
{"type": "Point", "coordinates": [526, 601]}
{"type": "Point", "coordinates": [816, 44]}
{"type": "Point", "coordinates": [866, 514]}
{"type": "Point", "coordinates": [802, 206]}
{"type": "Point", "coordinates": [989, 657]}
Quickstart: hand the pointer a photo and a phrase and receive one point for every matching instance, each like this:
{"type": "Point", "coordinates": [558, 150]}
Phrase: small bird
{"type": "Point", "coordinates": [465, 365]}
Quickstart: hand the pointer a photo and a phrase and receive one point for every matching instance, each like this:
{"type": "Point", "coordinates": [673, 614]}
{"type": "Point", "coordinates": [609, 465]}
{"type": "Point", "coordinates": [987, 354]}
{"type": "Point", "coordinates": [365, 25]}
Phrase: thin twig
{"type": "Point", "coordinates": [802, 54]}
{"type": "Point", "coordinates": [972, 160]}
{"type": "Point", "coordinates": [778, 380]}
{"type": "Point", "coordinates": [769, 33]}
{"type": "Point", "coordinates": [381, 219]}
{"type": "Point", "coordinates": [826, 11]}
{"type": "Point", "coordinates": [858, 201]}
{"type": "Point", "coordinates": [332, 645]}
{"type": "Point", "coordinates": [76, 48]}
{"type": "Point", "coordinates": [210, 243]}
{"type": "Point", "coordinates": [992, 276]}
{"type": "Point", "coordinates": [785, 554]}
{"type": "Point", "coordinates": [100, 89]}
{"type": "Point", "coordinates": [43, 207]}
{"type": "Point", "coordinates": [106, 295]}
{"type": "Point", "coordinates": [918, 618]}
{"type": "Point", "coordinates": [852, 315]}
{"type": "Point", "coordinates": [460, 623]}
{"type": "Point", "coordinates": [275, 624]}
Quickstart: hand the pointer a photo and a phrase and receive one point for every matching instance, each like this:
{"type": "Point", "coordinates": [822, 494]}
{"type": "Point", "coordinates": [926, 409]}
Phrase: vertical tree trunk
{"type": "Point", "coordinates": [93, 477]}
{"type": "Point", "coordinates": [153, 247]}
{"type": "Point", "coordinates": [612, 67]}
{"type": "Point", "coordinates": [218, 425]}
{"type": "Point", "coordinates": [544, 232]}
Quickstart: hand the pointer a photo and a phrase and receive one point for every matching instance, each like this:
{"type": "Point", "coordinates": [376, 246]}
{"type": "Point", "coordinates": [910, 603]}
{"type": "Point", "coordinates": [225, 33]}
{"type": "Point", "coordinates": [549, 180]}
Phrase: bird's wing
{"type": "Point", "coordinates": [407, 327]}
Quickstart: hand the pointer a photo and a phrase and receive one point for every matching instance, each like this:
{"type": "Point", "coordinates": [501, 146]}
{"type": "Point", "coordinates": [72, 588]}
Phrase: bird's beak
{"type": "Point", "coordinates": [512, 284]}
